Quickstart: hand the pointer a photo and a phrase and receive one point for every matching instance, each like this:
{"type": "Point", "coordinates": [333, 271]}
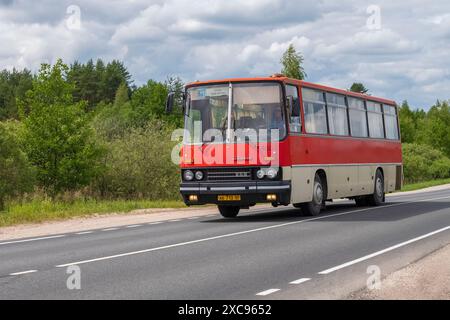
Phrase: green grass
{"type": "Point", "coordinates": [46, 210]}
{"type": "Point", "coordinates": [424, 184]}
{"type": "Point", "coordinates": [36, 211]}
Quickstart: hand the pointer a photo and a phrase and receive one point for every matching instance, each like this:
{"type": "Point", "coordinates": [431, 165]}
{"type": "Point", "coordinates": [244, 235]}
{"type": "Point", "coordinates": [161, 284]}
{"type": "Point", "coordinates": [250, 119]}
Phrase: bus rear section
{"type": "Point", "coordinates": [284, 141]}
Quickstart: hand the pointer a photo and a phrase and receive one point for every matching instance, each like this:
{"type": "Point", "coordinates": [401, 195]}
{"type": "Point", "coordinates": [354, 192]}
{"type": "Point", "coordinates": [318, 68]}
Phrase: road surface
{"type": "Point", "coordinates": [263, 254]}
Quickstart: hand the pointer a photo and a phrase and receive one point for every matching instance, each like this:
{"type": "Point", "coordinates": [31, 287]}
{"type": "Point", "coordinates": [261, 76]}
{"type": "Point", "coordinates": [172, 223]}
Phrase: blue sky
{"type": "Point", "coordinates": [398, 49]}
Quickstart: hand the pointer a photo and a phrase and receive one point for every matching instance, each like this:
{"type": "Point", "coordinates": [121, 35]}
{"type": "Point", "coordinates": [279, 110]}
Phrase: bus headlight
{"type": "Point", "coordinates": [188, 175]}
{"type": "Point", "coordinates": [260, 174]}
{"type": "Point", "coordinates": [272, 173]}
{"type": "Point", "coordinates": [198, 175]}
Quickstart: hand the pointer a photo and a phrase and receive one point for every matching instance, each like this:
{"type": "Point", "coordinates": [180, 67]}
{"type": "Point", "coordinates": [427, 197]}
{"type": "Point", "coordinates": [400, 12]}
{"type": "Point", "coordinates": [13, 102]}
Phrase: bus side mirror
{"type": "Point", "coordinates": [169, 102]}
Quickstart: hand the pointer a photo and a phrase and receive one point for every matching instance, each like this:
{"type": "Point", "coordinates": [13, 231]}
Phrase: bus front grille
{"type": "Point", "coordinates": [229, 174]}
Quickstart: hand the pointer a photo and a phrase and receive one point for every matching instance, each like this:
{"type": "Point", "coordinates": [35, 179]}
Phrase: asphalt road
{"type": "Point", "coordinates": [263, 254]}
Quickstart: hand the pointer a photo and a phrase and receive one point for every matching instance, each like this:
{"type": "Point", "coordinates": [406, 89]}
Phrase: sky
{"type": "Point", "coordinates": [399, 49]}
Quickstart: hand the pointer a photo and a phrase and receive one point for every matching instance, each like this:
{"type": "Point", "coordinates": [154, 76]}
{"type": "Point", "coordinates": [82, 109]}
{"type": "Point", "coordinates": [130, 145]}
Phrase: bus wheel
{"type": "Point", "coordinates": [313, 208]}
{"type": "Point", "coordinates": [229, 211]}
{"type": "Point", "coordinates": [377, 197]}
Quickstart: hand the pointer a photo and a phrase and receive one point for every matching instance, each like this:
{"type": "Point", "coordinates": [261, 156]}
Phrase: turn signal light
{"type": "Point", "coordinates": [271, 197]}
{"type": "Point", "coordinates": [193, 197]}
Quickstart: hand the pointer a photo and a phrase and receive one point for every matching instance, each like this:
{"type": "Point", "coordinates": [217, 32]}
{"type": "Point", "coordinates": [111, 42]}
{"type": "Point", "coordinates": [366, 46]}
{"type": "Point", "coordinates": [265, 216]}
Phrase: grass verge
{"type": "Point", "coordinates": [424, 184]}
{"type": "Point", "coordinates": [45, 210]}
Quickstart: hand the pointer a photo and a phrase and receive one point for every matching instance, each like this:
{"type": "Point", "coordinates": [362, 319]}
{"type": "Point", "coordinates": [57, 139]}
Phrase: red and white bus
{"type": "Point", "coordinates": [331, 143]}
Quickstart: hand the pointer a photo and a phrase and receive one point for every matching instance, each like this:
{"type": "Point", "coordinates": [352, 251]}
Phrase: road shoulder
{"type": "Point", "coordinates": [427, 278]}
{"type": "Point", "coordinates": [79, 224]}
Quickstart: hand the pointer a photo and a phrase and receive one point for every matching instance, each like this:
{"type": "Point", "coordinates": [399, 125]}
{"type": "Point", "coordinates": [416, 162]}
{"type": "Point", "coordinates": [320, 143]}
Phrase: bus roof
{"type": "Point", "coordinates": [302, 83]}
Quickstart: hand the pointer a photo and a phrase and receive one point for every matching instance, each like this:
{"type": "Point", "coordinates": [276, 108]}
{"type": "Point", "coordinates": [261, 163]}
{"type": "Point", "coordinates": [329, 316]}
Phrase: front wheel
{"type": "Point", "coordinates": [229, 211]}
{"type": "Point", "coordinates": [313, 208]}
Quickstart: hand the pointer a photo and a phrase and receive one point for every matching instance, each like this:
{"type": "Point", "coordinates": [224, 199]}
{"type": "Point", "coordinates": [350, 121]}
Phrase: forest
{"type": "Point", "coordinates": [85, 133]}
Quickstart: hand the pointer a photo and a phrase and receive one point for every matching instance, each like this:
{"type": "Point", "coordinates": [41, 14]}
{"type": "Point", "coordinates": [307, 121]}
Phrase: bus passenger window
{"type": "Point", "coordinates": [337, 114]}
{"type": "Point", "coordinates": [358, 120]}
{"type": "Point", "coordinates": [390, 122]}
{"type": "Point", "coordinates": [375, 117]}
{"type": "Point", "coordinates": [314, 108]}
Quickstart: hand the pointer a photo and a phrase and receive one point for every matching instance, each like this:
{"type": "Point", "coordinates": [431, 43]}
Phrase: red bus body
{"type": "Point", "coordinates": [346, 164]}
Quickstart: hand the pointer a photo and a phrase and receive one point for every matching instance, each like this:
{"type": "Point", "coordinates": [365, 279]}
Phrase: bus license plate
{"type": "Point", "coordinates": [229, 197]}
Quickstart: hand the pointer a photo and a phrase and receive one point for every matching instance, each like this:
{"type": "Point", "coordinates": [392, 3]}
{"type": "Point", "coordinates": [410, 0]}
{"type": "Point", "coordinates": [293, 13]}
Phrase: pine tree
{"type": "Point", "coordinates": [121, 95]}
{"type": "Point", "coordinates": [358, 87]}
{"type": "Point", "coordinates": [292, 63]}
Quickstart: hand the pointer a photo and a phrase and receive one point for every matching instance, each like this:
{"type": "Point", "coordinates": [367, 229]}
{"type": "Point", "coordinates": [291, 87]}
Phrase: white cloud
{"type": "Point", "coordinates": [407, 58]}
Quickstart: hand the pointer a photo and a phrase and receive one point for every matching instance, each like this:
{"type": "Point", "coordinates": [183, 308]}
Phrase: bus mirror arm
{"type": "Point", "coordinates": [169, 102]}
{"type": "Point", "coordinates": [292, 107]}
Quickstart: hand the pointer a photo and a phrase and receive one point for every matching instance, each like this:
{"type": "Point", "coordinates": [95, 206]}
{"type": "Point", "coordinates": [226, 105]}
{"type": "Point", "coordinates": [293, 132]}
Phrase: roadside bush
{"type": "Point", "coordinates": [16, 175]}
{"type": "Point", "coordinates": [138, 165]}
{"type": "Point", "coordinates": [422, 162]}
{"type": "Point", "coordinates": [57, 134]}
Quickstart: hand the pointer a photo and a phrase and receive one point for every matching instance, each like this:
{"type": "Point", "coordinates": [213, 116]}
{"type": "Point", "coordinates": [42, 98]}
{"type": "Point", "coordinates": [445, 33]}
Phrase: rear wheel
{"type": "Point", "coordinates": [377, 197]}
{"type": "Point", "coordinates": [229, 211]}
{"type": "Point", "coordinates": [313, 208]}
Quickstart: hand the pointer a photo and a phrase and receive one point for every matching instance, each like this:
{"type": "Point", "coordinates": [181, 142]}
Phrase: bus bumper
{"type": "Point", "coordinates": [249, 193]}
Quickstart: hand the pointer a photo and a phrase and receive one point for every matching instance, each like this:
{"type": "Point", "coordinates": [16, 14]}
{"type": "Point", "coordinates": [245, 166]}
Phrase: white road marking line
{"type": "Point", "coordinates": [174, 220]}
{"type": "Point", "coordinates": [235, 234]}
{"type": "Point", "coordinates": [267, 292]}
{"type": "Point", "coordinates": [157, 222]}
{"type": "Point", "coordinates": [33, 239]}
{"type": "Point", "coordinates": [84, 232]}
{"type": "Point", "coordinates": [134, 226]}
{"type": "Point", "coordinates": [22, 272]}
{"type": "Point", "coordinates": [192, 218]}
{"type": "Point", "coordinates": [110, 229]}
{"type": "Point", "coordinates": [299, 281]}
{"type": "Point", "coordinates": [369, 256]}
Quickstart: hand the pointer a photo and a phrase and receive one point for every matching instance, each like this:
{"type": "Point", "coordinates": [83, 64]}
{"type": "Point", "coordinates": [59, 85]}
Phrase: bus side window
{"type": "Point", "coordinates": [294, 117]}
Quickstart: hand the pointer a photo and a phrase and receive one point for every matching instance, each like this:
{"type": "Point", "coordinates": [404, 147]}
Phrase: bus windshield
{"type": "Point", "coordinates": [252, 108]}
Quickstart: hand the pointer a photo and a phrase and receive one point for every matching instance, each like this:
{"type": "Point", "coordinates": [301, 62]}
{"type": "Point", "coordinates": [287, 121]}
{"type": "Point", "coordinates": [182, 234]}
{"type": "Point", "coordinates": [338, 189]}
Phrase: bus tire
{"type": "Point", "coordinates": [377, 197]}
{"type": "Point", "coordinates": [313, 207]}
{"type": "Point", "coordinates": [229, 211]}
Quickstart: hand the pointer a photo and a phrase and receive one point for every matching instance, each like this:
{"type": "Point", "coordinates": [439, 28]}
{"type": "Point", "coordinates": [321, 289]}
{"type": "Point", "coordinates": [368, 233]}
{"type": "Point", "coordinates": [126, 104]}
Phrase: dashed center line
{"type": "Point", "coordinates": [267, 292]}
{"type": "Point", "coordinates": [84, 232]}
{"type": "Point", "coordinates": [174, 220]}
{"type": "Point", "coordinates": [134, 226]}
{"type": "Point", "coordinates": [299, 281]}
{"type": "Point", "coordinates": [157, 222]}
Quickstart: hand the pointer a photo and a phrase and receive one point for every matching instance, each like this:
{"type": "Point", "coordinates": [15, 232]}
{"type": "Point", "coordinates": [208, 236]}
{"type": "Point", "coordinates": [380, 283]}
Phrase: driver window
{"type": "Point", "coordinates": [294, 122]}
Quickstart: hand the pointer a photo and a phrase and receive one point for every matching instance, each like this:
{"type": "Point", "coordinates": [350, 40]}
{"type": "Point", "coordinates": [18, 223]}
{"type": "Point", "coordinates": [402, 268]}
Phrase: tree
{"type": "Point", "coordinates": [436, 129]}
{"type": "Point", "coordinates": [292, 63]}
{"type": "Point", "coordinates": [148, 102]}
{"type": "Point", "coordinates": [96, 82]}
{"type": "Point", "coordinates": [13, 85]}
{"type": "Point", "coordinates": [121, 95]}
{"type": "Point", "coordinates": [16, 175]}
{"type": "Point", "coordinates": [57, 135]}
{"type": "Point", "coordinates": [408, 125]}
{"type": "Point", "coordinates": [358, 87]}
{"type": "Point", "coordinates": [115, 74]}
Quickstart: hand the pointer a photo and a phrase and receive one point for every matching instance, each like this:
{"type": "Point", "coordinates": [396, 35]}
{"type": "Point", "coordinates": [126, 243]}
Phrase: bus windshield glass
{"type": "Point", "coordinates": [253, 108]}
